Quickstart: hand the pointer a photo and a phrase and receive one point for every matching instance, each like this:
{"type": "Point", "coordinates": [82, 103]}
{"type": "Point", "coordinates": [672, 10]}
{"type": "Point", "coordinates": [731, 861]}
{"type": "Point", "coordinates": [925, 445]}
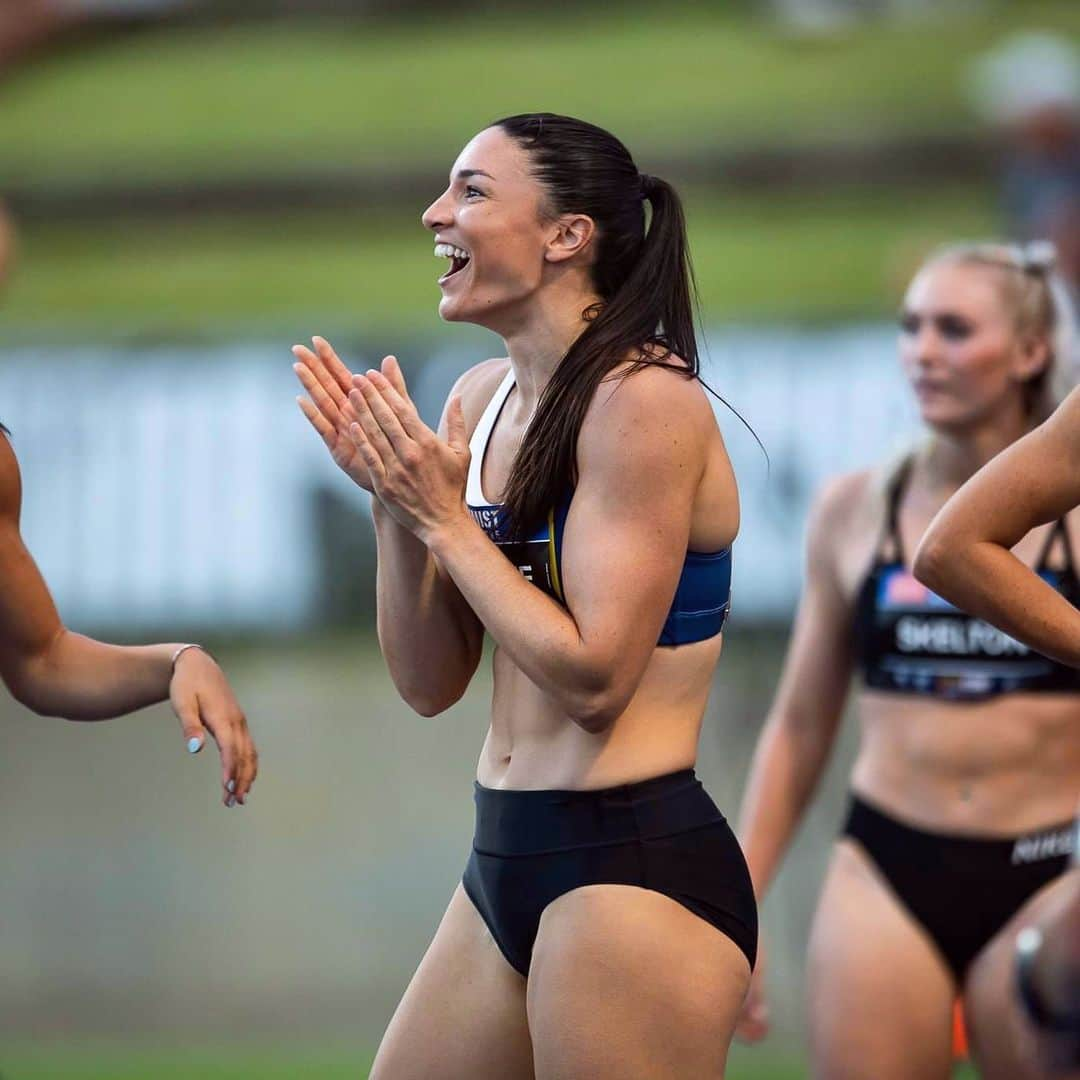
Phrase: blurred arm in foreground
{"type": "Point", "coordinates": [966, 553]}
{"type": "Point", "coordinates": [1048, 981]}
{"type": "Point", "coordinates": [56, 672]}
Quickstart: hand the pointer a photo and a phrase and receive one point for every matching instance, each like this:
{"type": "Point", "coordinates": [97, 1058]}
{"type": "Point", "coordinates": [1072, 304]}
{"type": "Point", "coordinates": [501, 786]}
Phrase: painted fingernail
{"type": "Point", "coordinates": [193, 744]}
{"type": "Point", "coordinates": [231, 786]}
{"type": "Point", "coordinates": [230, 802]}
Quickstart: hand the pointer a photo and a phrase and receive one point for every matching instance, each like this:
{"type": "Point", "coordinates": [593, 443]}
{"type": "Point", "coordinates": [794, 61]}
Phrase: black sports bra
{"type": "Point", "coordinates": [910, 640]}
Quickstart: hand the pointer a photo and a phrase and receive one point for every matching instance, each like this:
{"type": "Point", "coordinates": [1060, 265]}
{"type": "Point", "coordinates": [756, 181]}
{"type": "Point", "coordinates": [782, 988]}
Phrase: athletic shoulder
{"type": "Point", "coordinates": [843, 520]}
{"type": "Point", "coordinates": [841, 500]}
{"type": "Point", "coordinates": [652, 402]}
{"type": "Point", "coordinates": [477, 386]}
{"type": "Point", "coordinates": [10, 481]}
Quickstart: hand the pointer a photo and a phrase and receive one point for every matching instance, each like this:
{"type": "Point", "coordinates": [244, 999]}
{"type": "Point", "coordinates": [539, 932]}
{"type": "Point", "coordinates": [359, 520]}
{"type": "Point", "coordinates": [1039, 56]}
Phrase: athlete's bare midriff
{"type": "Point", "coordinates": [1000, 766]}
{"type": "Point", "coordinates": [532, 743]}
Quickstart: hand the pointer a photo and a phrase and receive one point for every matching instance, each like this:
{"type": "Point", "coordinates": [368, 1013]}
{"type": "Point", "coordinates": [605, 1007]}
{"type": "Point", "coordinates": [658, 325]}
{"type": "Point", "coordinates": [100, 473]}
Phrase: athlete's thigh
{"type": "Point", "coordinates": [1002, 1041]}
{"type": "Point", "coordinates": [880, 996]}
{"type": "Point", "coordinates": [627, 983]}
{"type": "Point", "coordinates": [463, 1014]}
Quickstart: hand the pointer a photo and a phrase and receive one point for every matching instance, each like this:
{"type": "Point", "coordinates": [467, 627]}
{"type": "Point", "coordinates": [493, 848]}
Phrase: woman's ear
{"type": "Point", "coordinates": [1032, 358]}
{"type": "Point", "coordinates": [571, 234]}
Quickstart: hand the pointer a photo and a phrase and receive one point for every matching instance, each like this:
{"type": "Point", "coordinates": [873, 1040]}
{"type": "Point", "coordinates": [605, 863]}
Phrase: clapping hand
{"type": "Point", "coordinates": [328, 383]}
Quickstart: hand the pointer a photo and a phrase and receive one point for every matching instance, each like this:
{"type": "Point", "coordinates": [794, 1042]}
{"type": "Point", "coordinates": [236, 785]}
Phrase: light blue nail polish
{"type": "Point", "coordinates": [231, 786]}
{"type": "Point", "coordinates": [231, 801]}
{"type": "Point", "coordinates": [193, 744]}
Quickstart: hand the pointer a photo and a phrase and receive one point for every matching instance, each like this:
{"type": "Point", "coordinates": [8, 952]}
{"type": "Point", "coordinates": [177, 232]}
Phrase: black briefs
{"type": "Point", "coordinates": [663, 834]}
{"type": "Point", "coordinates": [961, 889]}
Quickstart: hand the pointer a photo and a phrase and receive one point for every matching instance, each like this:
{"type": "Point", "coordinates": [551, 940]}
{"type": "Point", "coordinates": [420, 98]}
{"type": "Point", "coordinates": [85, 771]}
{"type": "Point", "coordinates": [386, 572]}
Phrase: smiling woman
{"type": "Point", "coordinates": [605, 925]}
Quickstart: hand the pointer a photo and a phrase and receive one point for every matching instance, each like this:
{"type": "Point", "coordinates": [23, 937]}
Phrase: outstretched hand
{"type": "Point", "coordinates": [328, 382]}
{"type": "Point", "coordinates": [417, 476]}
{"type": "Point", "coordinates": [203, 701]}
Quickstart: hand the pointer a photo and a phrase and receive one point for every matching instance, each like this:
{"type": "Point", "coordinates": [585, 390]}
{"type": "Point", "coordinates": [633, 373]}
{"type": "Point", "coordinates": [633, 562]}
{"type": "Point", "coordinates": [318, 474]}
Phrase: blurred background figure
{"type": "Point", "coordinates": [1029, 88]}
{"type": "Point", "coordinates": [24, 24]}
{"type": "Point", "coordinates": [7, 246]}
{"type": "Point", "coordinates": [194, 186]}
{"type": "Point", "coordinates": [1048, 982]}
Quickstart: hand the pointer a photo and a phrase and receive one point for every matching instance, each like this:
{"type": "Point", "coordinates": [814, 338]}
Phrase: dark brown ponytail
{"type": "Point", "coordinates": [644, 279]}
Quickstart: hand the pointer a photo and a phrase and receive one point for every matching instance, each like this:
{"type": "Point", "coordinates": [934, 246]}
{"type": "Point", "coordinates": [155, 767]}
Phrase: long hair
{"type": "Point", "coordinates": [642, 275]}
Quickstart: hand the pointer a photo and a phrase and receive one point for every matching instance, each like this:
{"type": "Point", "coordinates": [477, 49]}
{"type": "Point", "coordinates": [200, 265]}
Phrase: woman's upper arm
{"type": "Point", "coordinates": [1032, 482]}
{"type": "Point", "coordinates": [629, 522]}
{"type": "Point", "coordinates": [820, 657]}
{"type": "Point", "coordinates": [28, 617]}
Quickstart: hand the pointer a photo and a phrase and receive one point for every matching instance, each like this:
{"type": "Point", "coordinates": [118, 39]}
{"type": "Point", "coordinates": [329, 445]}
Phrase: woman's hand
{"type": "Point", "coordinates": [328, 382]}
{"type": "Point", "coordinates": [419, 478]}
{"type": "Point", "coordinates": [203, 701]}
{"type": "Point", "coordinates": [753, 1023]}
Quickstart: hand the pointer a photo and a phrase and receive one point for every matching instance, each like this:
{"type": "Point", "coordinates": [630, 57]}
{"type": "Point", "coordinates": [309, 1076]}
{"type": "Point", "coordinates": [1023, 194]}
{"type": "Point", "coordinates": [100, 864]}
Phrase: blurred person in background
{"type": "Point", "coordinates": [578, 504]}
{"type": "Point", "coordinates": [968, 768]}
{"type": "Point", "coordinates": [1030, 89]}
{"type": "Point", "coordinates": [7, 245]}
{"type": "Point", "coordinates": [56, 672]}
{"type": "Point", "coordinates": [1048, 980]}
{"type": "Point", "coordinates": [27, 25]}
{"type": "Point", "coordinates": [966, 556]}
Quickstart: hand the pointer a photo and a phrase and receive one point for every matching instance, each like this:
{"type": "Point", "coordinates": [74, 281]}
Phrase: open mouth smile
{"type": "Point", "coordinates": [459, 259]}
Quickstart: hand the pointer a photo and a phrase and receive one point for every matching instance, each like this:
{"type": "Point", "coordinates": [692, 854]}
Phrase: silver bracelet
{"type": "Point", "coordinates": [183, 649]}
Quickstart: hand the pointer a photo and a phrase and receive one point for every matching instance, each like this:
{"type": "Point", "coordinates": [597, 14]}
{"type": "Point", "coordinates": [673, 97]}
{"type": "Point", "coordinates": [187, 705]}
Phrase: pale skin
{"type": "Point", "coordinates": [56, 672]}
{"type": "Point", "coordinates": [624, 982]}
{"type": "Point", "coordinates": [879, 991]}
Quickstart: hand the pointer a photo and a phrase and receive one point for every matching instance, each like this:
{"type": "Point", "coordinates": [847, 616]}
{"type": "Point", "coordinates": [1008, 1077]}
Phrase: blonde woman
{"type": "Point", "coordinates": [968, 768]}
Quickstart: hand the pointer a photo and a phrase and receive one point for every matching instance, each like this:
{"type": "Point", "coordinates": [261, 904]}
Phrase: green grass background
{"type": "Point", "coordinates": [290, 1063]}
{"type": "Point", "coordinates": [836, 255]}
{"type": "Point", "coordinates": [184, 104]}
{"type": "Point", "coordinates": [168, 105]}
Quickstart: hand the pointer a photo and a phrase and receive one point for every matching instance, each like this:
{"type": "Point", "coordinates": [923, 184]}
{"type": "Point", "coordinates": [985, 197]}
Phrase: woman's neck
{"type": "Point", "coordinates": [538, 343]}
{"type": "Point", "coordinates": [953, 457]}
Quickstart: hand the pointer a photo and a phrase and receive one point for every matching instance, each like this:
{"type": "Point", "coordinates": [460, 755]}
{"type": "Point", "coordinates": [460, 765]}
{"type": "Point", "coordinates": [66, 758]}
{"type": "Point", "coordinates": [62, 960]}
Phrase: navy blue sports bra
{"type": "Point", "coordinates": [910, 640]}
{"type": "Point", "coordinates": [702, 598]}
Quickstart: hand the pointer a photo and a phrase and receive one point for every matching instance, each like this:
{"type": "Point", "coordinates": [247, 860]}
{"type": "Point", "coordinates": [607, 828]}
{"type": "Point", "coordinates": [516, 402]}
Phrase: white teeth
{"type": "Point", "coordinates": [449, 251]}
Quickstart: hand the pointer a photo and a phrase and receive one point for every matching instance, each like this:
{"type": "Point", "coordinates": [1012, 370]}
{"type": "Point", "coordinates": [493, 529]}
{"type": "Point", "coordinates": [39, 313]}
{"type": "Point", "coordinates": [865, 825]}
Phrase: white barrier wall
{"type": "Point", "coordinates": [176, 485]}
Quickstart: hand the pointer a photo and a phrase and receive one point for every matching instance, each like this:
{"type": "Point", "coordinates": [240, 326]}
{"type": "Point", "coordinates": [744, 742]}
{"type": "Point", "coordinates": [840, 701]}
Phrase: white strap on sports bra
{"type": "Point", "coordinates": [474, 494]}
